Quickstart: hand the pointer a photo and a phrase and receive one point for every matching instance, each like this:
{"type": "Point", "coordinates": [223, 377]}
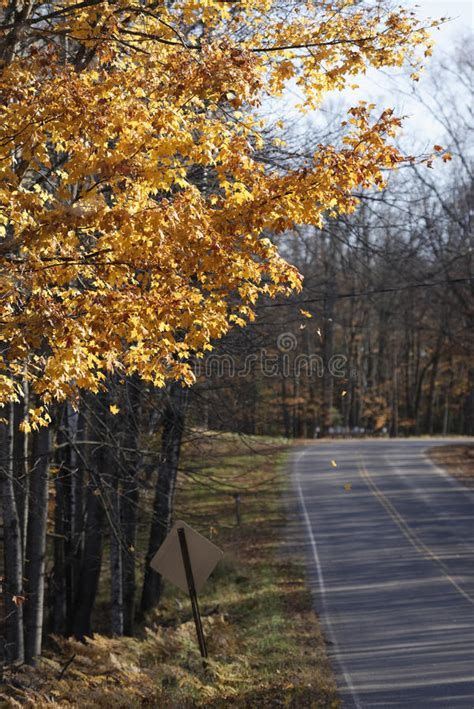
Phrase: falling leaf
{"type": "Point", "coordinates": [305, 313]}
{"type": "Point", "coordinates": [114, 409]}
{"type": "Point", "coordinates": [344, 393]}
{"type": "Point", "coordinates": [347, 487]}
{"type": "Point", "coordinates": [18, 600]}
{"type": "Point", "coordinates": [333, 463]}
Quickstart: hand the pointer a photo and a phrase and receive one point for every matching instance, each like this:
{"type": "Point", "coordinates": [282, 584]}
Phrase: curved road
{"type": "Point", "coordinates": [390, 541]}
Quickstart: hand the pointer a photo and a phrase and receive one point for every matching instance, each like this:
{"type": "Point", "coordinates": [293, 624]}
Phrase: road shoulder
{"type": "Point", "coordinates": [457, 460]}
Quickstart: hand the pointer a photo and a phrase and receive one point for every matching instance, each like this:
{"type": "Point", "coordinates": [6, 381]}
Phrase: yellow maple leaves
{"type": "Point", "coordinates": [133, 198]}
{"type": "Point", "coordinates": [36, 417]}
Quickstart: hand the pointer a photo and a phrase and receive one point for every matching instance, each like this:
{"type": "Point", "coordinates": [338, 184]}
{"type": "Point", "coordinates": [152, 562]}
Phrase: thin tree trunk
{"type": "Point", "coordinates": [130, 502]}
{"type": "Point", "coordinates": [432, 386]}
{"type": "Point", "coordinates": [327, 345]}
{"type": "Point", "coordinates": [36, 545]}
{"type": "Point", "coordinates": [467, 420]}
{"type": "Point", "coordinates": [394, 419]}
{"type": "Point", "coordinates": [418, 397]}
{"type": "Point", "coordinates": [12, 544]}
{"type": "Point", "coordinates": [447, 399]}
{"type": "Point", "coordinates": [76, 428]}
{"type": "Point", "coordinates": [60, 593]}
{"type": "Point", "coordinates": [173, 425]}
{"type": "Point", "coordinates": [91, 561]}
{"type": "Point", "coordinates": [115, 434]}
{"type": "Point", "coordinates": [91, 564]}
{"type": "Point", "coordinates": [327, 352]}
{"type": "Point", "coordinates": [116, 571]}
{"type": "Point", "coordinates": [446, 413]}
{"type": "Point", "coordinates": [129, 526]}
{"type": "Point", "coordinates": [285, 411]}
{"type": "Point", "coordinates": [20, 455]}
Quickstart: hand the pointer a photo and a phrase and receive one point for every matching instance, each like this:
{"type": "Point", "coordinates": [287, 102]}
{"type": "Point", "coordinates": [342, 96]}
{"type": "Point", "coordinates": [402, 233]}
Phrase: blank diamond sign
{"type": "Point", "coordinates": [203, 555]}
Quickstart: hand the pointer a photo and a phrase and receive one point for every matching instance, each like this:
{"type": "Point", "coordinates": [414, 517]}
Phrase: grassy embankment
{"type": "Point", "coordinates": [264, 640]}
{"type": "Point", "coordinates": [458, 460]}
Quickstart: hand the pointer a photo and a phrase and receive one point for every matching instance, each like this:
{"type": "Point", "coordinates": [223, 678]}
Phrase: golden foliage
{"type": "Point", "coordinates": [113, 255]}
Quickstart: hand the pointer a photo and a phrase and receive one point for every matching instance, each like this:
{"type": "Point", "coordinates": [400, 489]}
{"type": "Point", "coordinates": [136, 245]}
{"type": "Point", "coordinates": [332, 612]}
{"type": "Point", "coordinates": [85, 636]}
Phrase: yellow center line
{"type": "Point", "coordinates": [408, 533]}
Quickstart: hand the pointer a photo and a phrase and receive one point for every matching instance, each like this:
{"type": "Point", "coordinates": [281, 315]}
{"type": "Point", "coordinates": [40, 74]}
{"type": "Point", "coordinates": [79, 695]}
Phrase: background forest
{"type": "Point", "coordinates": [378, 340]}
{"type": "Point", "coordinates": [390, 293]}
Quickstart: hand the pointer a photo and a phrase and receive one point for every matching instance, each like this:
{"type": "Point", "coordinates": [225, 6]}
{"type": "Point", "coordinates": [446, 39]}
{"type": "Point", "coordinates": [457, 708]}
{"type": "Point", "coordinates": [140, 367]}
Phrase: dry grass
{"type": "Point", "coordinates": [458, 460]}
{"type": "Point", "coordinates": [264, 639]}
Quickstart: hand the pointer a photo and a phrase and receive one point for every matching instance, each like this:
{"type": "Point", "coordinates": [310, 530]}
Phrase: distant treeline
{"type": "Point", "coordinates": [389, 344]}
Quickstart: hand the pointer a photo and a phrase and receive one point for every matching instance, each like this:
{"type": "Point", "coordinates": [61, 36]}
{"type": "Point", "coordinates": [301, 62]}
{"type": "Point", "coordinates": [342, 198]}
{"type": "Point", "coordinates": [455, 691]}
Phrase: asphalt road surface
{"type": "Point", "coordinates": [390, 541]}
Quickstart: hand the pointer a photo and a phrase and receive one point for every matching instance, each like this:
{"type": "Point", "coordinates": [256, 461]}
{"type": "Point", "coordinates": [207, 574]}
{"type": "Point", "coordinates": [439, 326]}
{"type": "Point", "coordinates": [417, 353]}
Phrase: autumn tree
{"type": "Point", "coordinates": [114, 260]}
{"type": "Point", "coordinates": [111, 257]}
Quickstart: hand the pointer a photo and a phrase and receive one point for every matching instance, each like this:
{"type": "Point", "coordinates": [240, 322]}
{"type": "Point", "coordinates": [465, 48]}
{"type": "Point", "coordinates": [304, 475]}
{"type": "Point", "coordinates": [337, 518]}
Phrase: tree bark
{"type": "Point", "coordinates": [113, 491]}
{"type": "Point", "coordinates": [468, 424]}
{"type": "Point", "coordinates": [78, 462]}
{"type": "Point", "coordinates": [327, 344]}
{"type": "Point", "coordinates": [432, 388]}
{"type": "Point", "coordinates": [20, 455]}
{"type": "Point", "coordinates": [89, 571]}
{"type": "Point", "coordinates": [12, 545]}
{"type": "Point", "coordinates": [91, 563]}
{"type": "Point", "coordinates": [36, 545]}
{"type": "Point", "coordinates": [327, 352]}
{"type": "Point", "coordinates": [173, 425]}
{"type": "Point", "coordinates": [284, 407]}
{"type": "Point", "coordinates": [61, 591]}
{"type": "Point", "coordinates": [129, 501]}
{"type": "Point", "coordinates": [116, 571]}
{"type": "Point", "coordinates": [394, 417]}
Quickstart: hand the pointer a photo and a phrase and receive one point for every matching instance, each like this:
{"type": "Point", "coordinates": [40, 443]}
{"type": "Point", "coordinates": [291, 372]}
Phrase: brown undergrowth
{"type": "Point", "coordinates": [264, 640]}
{"type": "Point", "coordinates": [458, 460]}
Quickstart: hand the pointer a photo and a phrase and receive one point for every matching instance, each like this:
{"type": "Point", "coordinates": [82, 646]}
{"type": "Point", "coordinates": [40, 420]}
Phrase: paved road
{"type": "Point", "coordinates": [390, 542]}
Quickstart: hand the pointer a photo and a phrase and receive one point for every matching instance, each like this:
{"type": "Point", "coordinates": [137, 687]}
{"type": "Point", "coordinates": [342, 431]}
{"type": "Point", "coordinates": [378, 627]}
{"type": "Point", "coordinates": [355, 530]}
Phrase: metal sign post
{"type": "Point", "coordinates": [192, 593]}
{"type": "Point", "coordinates": [186, 558]}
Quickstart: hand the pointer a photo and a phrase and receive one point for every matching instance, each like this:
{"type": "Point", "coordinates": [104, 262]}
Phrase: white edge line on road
{"type": "Point", "coordinates": [314, 548]}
